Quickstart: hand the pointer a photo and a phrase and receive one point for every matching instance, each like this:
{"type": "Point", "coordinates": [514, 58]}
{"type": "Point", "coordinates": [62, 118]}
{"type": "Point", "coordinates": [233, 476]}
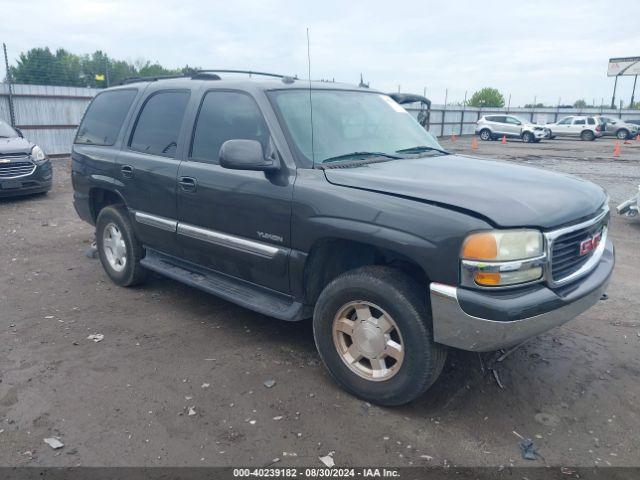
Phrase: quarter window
{"type": "Point", "coordinates": [103, 120]}
{"type": "Point", "coordinates": [226, 116]}
{"type": "Point", "coordinates": [158, 126]}
{"type": "Point", "coordinates": [591, 121]}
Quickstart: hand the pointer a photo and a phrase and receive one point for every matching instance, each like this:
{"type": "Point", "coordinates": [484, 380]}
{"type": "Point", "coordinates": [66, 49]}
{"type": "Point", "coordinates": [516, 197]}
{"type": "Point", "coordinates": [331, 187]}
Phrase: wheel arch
{"type": "Point", "coordinates": [332, 256]}
{"type": "Point", "coordinates": [100, 198]}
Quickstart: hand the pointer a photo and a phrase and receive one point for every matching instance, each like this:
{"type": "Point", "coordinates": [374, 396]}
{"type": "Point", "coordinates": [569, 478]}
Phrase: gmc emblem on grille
{"type": "Point", "coordinates": [590, 244]}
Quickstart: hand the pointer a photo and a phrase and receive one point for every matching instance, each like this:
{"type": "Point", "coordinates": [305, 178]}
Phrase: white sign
{"type": "Point", "coordinates": [623, 66]}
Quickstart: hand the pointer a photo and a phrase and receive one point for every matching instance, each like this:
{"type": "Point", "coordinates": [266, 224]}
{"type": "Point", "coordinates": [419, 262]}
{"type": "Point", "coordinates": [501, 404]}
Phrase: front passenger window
{"type": "Point", "coordinates": [226, 116]}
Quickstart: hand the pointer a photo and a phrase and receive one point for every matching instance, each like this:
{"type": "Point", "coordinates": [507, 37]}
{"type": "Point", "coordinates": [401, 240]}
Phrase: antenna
{"type": "Point", "coordinates": [313, 157]}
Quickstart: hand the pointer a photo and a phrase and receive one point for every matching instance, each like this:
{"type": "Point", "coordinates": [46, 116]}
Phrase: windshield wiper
{"type": "Point", "coordinates": [420, 149]}
{"type": "Point", "coordinates": [363, 155]}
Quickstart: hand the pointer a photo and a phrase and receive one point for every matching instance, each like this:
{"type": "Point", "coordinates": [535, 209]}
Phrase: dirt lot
{"type": "Point", "coordinates": [126, 399]}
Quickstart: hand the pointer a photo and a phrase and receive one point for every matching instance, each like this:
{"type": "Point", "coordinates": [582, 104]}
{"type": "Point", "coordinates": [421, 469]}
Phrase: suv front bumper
{"type": "Point", "coordinates": [37, 181]}
{"type": "Point", "coordinates": [509, 319]}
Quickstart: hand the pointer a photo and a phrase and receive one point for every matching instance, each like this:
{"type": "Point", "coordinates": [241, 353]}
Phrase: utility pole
{"type": "Point", "coordinates": [106, 70]}
{"type": "Point", "coordinates": [12, 115]}
{"type": "Point", "coordinates": [633, 92]}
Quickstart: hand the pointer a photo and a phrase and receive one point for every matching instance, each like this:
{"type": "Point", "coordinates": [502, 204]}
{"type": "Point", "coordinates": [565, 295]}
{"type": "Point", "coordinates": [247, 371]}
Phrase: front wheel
{"type": "Point", "coordinates": [622, 134]}
{"type": "Point", "coordinates": [527, 137]}
{"type": "Point", "coordinates": [118, 249]}
{"type": "Point", "coordinates": [373, 331]}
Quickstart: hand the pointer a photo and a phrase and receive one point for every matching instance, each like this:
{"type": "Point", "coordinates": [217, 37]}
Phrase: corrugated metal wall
{"type": "Point", "coordinates": [50, 115]}
{"type": "Point", "coordinates": [47, 115]}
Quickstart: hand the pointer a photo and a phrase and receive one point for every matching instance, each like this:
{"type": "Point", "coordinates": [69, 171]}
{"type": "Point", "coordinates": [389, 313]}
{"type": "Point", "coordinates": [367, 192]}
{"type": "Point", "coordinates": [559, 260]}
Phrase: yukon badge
{"type": "Point", "coordinates": [270, 236]}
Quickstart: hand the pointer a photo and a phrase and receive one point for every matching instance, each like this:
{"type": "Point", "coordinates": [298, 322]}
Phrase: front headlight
{"type": "Point", "coordinates": [37, 155]}
{"type": "Point", "coordinates": [502, 257]}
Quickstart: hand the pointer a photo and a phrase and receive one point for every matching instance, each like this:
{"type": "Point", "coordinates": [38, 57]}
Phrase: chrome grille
{"type": "Point", "coordinates": [16, 169]}
{"type": "Point", "coordinates": [566, 260]}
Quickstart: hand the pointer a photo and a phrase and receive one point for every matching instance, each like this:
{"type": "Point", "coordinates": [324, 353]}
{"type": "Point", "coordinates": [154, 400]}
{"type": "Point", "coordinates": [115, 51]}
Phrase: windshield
{"type": "Point", "coordinates": [349, 124]}
{"type": "Point", "coordinates": [6, 130]}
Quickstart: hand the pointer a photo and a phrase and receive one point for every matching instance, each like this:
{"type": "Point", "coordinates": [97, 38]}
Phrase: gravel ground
{"type": "Point", "coordinates": [126, 399]}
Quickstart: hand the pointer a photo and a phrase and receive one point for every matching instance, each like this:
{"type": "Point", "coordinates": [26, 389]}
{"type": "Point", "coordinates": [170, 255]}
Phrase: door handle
{"type": "Point", "coordinates": [188, 184]}
{"type": "Point", "coordinates": [127, 171]}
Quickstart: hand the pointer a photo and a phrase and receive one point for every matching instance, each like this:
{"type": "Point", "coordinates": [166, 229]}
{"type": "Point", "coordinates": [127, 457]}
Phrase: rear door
{"type": "Point", "coordinates": [498, 124]}
{"type": "Point", "coordinates": [577, 126]}
{"type": "Point", "coordinates": [234, 221]}
{"type": "Point", "coordinates": [148, 167]}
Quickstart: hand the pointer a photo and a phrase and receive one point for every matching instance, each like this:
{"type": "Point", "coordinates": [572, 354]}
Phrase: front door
{"type": "Point", "coordinates": [513, 126]}
{"type": "Point", "coordinates": [563, 127]}
{"type": "Point", "coordinates": [235, 222]}
{"type": "Point", "coordinates": [148, 168]}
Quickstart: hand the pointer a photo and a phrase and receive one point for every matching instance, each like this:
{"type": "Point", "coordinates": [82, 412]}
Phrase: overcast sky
{"type": "Point", "coordinates": [546, 49]}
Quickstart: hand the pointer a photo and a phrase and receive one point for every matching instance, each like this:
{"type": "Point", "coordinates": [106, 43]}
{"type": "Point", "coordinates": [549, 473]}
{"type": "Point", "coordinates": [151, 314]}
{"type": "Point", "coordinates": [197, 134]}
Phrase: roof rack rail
{"type": "Point", "coordinates": [207, 75]}
{"type": "Point", "coordinates": [151, 79]}
{"type": "Point", "coordinates": [285, 78]}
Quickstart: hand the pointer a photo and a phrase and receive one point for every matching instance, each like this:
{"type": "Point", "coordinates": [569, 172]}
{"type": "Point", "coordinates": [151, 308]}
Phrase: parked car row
{"type": "Point", "coordinates": [585, 127]}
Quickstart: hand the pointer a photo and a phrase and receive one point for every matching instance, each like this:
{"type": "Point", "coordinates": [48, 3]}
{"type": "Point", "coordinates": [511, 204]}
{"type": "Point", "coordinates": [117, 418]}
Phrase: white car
{"type": "Point", "coordinates": [492, 127]}
{"type": "Point", "coordinates": [579, 126]}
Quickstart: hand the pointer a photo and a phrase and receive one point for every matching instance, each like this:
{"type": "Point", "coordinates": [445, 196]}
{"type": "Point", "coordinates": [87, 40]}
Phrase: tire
{"type": "Point", "coordinates": [550, 136]}
{"type": "Point", "coordinates": [587, 135]}
{"type": "Point", "coordinates": [485, 134]}
{"type": "Point", "coordinates": [622, 134]}
{"type": "Point", "coordinates": [527, 137]}
{"type": "Point", "coordinates": [388, 291]}
{"type": "Point", "coordinates": [127, 272]}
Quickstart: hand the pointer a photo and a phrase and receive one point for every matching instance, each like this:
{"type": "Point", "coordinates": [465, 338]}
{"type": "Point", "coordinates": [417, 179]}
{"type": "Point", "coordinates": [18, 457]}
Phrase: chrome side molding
{"type": "Point", "coordinates": [230, 241]}
{"type": "Point", "coordinates": [162, 223]}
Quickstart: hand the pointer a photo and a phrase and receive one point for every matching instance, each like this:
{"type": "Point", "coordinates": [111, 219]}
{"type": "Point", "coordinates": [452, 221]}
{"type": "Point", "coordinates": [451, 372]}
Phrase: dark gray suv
{"type": "Point", "coordinates": [330, 201]}
{"type": "Point", "coordinates": [24, 167]}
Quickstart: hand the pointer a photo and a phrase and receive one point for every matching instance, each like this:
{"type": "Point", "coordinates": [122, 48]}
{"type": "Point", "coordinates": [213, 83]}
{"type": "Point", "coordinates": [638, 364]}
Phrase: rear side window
{"type": "Point", "coordinates": [103, 120]}
{"type": "Point", "coordinates": [579, 121]}
{"type": "Point", "coordinates": [226, 116]}
{"type": "Point", "coordinates": [158, 125]}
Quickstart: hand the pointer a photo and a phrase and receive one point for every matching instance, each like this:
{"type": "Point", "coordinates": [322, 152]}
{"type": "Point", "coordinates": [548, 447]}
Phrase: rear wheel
{"type": "Point", "coordinates": [373, 331]}
{"type": "Point", "coordinates": [527, 137]}
{"type": "Point", "coordinates": [118, 249]}
{"type": "Point", "coordinates": [485, 134]}
{"type": "Point", "coordinates": [622, 134]}
{"type": "Point", "coordinates": [587, 135]}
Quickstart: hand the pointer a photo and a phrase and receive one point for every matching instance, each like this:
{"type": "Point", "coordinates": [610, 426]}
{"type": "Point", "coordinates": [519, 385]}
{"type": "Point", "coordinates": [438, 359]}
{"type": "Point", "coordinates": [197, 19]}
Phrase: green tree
{"type": "Point", "coordinates": [487, 97]}
{"type": "Point", "coordinates": [580, 103]}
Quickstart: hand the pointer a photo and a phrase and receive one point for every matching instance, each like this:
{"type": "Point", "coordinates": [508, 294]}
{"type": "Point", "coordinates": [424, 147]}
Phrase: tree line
{"type": "Point", "coordinates": [41, 66]}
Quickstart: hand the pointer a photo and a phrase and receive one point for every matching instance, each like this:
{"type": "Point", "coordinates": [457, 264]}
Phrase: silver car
{"type": "Point", "coordinates": [584, 127]}
{"type": "Point", "coordinates": [619, 128]}
{"type": "Point", "coordinates": [491, 127]}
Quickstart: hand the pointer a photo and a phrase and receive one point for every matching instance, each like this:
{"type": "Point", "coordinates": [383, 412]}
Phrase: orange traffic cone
{"type": "Point", "coordinates": [453, 137]}
{"type": "Point", "coordinates": [504, 139]}
{"type": "Point", "coordinates": [616, 149]}
{"type": "Point", "coordinates": [474, 144]}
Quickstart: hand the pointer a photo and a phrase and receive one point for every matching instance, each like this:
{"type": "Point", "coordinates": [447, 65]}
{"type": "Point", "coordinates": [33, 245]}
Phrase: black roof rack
{"type": "Point", "coordinates": [285, 78]}
{"type": "Point", "coordinates": [208, 75]}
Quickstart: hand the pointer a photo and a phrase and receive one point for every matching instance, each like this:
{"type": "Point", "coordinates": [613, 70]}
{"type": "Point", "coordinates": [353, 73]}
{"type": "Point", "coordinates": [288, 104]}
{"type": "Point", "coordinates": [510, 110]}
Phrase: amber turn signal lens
{"type": "Point", "coordinates": [487, 278]}
{"type": "Point", "coordinates": [480, 246]}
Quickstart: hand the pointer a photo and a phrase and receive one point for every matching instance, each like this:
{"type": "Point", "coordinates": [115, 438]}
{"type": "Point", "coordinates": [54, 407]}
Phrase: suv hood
{"type": "Point", "coordinates": [15, 145]}
{"type": "Point", "coordinates": [506, 195]}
